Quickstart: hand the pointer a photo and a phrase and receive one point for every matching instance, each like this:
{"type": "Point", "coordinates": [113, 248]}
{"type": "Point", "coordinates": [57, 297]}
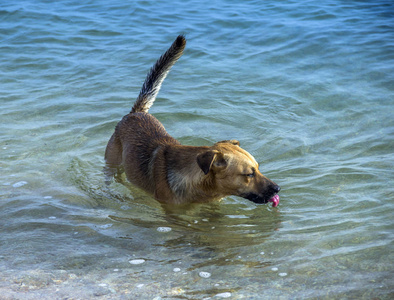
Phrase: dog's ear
{"type": "Point", "coordinates": [205, 160]}
{"type": "Point", "coordinates": [209, 159]}
{"type": "Point", "coordinates": [234, 142]}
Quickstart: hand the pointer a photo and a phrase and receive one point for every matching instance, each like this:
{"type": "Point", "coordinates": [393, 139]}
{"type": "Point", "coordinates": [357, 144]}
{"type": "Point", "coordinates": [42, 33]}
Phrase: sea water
{"type": "Point", "coordinates": [307, 87]}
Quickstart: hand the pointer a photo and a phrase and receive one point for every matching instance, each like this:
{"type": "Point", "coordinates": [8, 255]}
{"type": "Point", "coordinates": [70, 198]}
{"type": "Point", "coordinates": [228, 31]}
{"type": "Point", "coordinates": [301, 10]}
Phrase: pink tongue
{"type": "Point", "coordinates": [274, 200]}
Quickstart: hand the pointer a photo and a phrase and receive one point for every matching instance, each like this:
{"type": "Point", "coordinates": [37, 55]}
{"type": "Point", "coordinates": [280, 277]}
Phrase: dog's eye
{"type": "Point", "coordinates": [250, 175]}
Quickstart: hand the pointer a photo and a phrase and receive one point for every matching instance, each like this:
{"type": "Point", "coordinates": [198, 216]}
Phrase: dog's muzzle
{"type": "Point", "coordinates": [269, 196]}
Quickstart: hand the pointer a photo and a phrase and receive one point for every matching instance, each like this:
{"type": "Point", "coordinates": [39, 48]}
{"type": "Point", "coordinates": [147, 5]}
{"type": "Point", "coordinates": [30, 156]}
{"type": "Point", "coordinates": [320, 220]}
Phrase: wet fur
{"type": "Point", "coordinates": [174, 173]}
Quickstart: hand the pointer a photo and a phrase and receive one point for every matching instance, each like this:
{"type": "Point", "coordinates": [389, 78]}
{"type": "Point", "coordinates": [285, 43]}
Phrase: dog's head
{"type": "Point", "coordinates": [236, 172]}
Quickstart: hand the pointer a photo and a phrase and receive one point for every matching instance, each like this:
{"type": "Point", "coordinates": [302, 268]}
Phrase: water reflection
{"type": "Point", "coordinates": [219, 225]}
{"type": "Point", "coordinates": [207, 234]}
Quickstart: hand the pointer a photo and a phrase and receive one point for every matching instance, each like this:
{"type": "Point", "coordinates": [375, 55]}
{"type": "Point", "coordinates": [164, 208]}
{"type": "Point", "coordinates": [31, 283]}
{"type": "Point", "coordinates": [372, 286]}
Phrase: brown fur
{"type": "Point", "coordinates": [174, 173]}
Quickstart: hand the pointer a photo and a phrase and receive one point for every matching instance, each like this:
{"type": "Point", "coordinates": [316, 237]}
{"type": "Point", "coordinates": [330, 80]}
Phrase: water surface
{"type": "Point", "coordinates": [307, 88]}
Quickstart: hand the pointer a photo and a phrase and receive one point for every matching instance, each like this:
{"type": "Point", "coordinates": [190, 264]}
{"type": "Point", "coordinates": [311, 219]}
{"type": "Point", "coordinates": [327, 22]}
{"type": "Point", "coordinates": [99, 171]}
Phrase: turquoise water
{"type": "Point", "coordinates": [306, 87]}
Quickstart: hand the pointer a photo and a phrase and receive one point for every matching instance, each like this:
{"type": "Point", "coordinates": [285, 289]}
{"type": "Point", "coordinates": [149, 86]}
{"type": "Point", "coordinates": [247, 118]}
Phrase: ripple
{"type": "Point", "coordinates": [19, 184]}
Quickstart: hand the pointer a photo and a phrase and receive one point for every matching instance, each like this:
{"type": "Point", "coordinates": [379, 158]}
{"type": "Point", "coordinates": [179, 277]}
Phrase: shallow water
{"type": "Point", "coordinates": [306, 88]}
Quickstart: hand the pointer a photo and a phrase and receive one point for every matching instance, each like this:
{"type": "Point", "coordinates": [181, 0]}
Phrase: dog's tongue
{"type": "Point", "coordinates": [274, 200]}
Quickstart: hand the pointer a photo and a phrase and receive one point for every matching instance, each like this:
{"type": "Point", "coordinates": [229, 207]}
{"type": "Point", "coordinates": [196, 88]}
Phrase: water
{"type": "Point", "coordinates": [307, 88]}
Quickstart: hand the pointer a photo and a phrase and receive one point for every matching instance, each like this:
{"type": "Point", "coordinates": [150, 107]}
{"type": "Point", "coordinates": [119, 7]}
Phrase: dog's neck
{"type": "Point", "coordinates": [185, 177]}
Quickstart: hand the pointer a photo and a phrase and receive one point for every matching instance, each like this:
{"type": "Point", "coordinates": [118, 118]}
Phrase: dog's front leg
{"type": "Point", "coordinates": [163, 191]}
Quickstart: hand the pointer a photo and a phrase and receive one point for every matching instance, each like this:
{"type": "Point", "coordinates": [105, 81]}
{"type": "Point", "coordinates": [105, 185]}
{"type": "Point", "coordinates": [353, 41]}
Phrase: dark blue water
{"type": "Point", "coordinates": [306, 87]}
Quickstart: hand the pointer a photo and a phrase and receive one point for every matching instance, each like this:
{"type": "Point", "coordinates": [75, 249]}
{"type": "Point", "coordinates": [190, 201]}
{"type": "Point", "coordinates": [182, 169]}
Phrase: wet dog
{"type": "Point", "coordinates": [174, 173]}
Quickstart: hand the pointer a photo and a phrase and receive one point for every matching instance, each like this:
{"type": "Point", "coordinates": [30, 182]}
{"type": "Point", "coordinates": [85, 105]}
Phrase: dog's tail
{"type": "Point", "coordinates": [157, 74]}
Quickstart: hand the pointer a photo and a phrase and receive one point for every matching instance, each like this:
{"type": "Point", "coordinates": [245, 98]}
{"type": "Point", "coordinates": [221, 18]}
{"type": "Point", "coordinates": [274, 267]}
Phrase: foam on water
{"type": "Point", "coordinates": [164, 229]}
{"type": "Point", "coordinates": [224, 295]}
{"type": "Point", "coordinates": [136, 261]}
{"type": "Point", "coordinates": [204, 274]}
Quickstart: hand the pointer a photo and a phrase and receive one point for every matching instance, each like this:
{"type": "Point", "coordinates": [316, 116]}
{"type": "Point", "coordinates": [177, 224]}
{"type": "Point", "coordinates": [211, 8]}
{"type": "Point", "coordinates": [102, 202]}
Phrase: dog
{"type": "Point", "coordinates": [173, 173]}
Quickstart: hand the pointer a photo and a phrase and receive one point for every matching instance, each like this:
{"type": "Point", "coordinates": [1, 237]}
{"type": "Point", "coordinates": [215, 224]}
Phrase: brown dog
{"type": "Point", "coordinates": [173, 173]}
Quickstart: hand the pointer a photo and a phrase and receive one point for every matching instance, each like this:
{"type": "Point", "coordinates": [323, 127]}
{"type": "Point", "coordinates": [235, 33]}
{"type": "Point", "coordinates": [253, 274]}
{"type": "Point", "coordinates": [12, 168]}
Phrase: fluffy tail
{"type": "Point", "coordinates": [156, 75]}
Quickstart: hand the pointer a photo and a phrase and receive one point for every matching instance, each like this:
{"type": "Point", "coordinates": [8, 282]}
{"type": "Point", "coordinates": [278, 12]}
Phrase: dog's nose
{"type": "Point", "coordinates": [275, 188]}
